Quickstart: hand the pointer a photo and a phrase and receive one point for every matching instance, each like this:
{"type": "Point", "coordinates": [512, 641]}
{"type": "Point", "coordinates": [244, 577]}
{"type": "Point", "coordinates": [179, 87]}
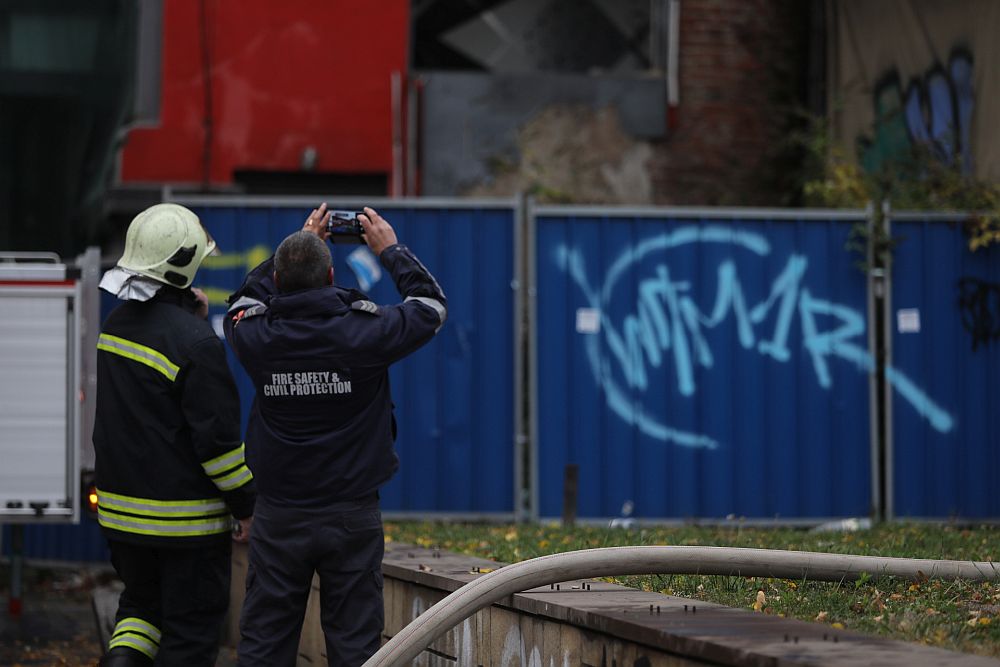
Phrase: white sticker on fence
{"type": "Point", "coordinates": [588, 320]}
{"type": "Point", "coordinates": [908, 320]}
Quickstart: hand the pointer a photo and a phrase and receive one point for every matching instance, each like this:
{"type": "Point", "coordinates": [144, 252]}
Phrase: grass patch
{"type": "Point", "coordinates": [956, 615]}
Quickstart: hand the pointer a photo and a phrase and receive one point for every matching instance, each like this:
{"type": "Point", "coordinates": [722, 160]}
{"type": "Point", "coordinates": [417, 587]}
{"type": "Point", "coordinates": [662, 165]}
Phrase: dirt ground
{"type": "Point", "coordinates": [56, 625]}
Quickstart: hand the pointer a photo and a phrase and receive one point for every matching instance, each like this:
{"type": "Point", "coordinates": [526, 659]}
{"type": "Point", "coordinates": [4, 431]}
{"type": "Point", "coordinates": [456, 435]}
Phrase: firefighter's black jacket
{"type": "Point", "coordinates": [170, 465]}
{"type": "Point", "coordinates": [321, 425]}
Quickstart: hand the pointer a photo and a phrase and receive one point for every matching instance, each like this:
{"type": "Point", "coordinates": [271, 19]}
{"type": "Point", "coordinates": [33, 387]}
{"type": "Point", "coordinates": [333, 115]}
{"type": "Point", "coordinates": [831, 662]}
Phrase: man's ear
{"type": "Point", "coordinates": [329, 277]}
{"type": "Point", "coordinates": [275, 277]}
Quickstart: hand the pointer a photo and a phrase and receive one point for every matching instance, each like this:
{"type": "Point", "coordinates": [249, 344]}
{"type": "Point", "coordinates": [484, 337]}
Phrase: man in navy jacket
{"type": "Point", "coordinates": [320, 435]}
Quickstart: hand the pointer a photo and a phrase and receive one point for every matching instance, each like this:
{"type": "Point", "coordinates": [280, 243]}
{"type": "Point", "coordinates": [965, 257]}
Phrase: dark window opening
{"type": "Point", "coordinates": [262, 182]}
{"type": "Point", "coordinates": [578, 36]}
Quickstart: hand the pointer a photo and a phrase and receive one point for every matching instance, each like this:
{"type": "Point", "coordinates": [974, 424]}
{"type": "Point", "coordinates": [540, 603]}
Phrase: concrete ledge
{"type": "Point", "coordinates": [604, 625]}
{"type": "Point", "coordinates": [585, 623]}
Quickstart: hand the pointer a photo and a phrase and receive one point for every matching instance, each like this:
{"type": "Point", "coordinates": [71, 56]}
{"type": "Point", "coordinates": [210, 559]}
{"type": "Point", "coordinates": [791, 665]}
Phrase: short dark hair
{"type": "Point", "coordinates": [302, 261]}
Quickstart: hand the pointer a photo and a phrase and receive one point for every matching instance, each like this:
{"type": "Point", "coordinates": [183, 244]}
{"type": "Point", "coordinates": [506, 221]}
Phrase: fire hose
{"type": "Point", "coordinates": [409, 642]}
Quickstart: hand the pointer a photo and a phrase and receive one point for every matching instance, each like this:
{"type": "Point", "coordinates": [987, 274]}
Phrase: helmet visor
{"type": "Point", "coordinates": [212, 247]}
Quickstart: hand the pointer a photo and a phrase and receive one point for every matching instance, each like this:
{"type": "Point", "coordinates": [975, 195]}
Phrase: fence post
{"type": "Point", "coordinates": [531, 356]}
{"type": "Point", "coordinates": [522, 344]}
{"type": "Point", "coordinates": [879, 344]}
{"type": "Point", "coordinates": [888, 442]}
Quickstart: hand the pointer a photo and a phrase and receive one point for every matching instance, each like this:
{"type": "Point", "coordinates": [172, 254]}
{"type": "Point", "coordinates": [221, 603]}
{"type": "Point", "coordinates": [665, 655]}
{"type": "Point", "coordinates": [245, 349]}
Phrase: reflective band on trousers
{"type": "Point", "coordinates": [141, 353]}
{"type": "Point", "coordinates": [229, 471]}
{"type": "Point", "coordinates": [137, 634]}
{"type": "Point", "coordinates": [165, 518]}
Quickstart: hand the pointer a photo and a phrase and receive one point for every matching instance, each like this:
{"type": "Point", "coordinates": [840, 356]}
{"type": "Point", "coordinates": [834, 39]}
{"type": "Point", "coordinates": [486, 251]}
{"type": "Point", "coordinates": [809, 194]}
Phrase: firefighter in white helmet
{"type": "Point", "coordinates": [171, 473]}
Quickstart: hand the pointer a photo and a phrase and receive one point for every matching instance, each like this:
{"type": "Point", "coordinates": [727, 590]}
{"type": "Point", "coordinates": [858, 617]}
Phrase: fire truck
{"type": "Point", "coordinates": [47, 387]}
{"type": "Point", "coordinates": [49, 331]}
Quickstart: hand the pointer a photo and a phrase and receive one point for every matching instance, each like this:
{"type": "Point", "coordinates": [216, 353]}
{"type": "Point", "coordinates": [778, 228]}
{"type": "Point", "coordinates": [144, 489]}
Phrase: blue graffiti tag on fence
{"type": "Point", "coordinates": [666, 319]}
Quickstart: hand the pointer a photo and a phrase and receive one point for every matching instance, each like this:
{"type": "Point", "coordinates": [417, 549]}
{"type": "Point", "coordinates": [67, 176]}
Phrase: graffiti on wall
{"type": "Point", "coordinates": [979, 303]}
{"type": "Point", "coordinates": [668, 328]}
{"type": "Point", "coordinates": [517, 650]}
{"type": "Point", "coordinates": [933, 110]}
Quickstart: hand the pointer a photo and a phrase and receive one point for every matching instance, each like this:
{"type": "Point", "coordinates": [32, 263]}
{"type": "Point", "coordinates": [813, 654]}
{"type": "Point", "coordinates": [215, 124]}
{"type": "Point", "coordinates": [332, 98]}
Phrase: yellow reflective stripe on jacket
{"type": "Point", "coordinates": [229, 471]}
{"type": "Point", "coordinates": [137, 634]}
{"type": "Point", "coordinates": [164, 518]}
{"type": "Point", "coordinates": [163, 528]}
{"type": "Point", "coordinates": [159, 508]}
{"type": "Point", "coordinates": [228, 460]}
{"type": "Point", "coordinates": [234, 480]}
{"type": "Point", "coordinates": [141, 353]}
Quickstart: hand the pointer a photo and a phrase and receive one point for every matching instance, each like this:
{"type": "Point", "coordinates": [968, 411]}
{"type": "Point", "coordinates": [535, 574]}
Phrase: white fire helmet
{"type": "Point", "coordinates": [166, 242]}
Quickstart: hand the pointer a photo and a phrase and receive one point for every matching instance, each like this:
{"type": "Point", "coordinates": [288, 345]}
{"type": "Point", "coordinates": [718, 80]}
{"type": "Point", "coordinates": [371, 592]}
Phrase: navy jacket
{"type": "Point", "coordinates": [321, 428]}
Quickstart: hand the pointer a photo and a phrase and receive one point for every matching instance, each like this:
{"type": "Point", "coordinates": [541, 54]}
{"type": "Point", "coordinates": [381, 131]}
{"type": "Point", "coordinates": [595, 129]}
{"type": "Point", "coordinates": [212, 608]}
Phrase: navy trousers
{"type": "Point", "coordinates": [343, 544]}
{"type": "Point", "coordinates": [174, 602]}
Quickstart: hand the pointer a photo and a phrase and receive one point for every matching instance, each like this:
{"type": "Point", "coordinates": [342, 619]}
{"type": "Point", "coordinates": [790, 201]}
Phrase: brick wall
{"type": "Point", "coordinates": [742, 67]}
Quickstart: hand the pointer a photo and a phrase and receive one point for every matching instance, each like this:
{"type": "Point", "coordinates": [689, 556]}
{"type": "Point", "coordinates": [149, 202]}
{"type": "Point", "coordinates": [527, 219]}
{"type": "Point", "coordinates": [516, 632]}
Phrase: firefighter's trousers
{"type": "Point", "coordinates": [174, 602]}
{"type": "Point", "coordinates": [343, 544]}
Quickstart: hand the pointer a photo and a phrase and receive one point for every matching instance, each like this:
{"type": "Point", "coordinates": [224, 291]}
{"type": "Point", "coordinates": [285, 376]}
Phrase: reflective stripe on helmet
{"type": "Point", "coordinates": [141, 353]}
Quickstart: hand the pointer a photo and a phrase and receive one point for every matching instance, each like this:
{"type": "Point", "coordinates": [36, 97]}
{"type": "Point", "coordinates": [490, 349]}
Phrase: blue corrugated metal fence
{"type": "Point", "coordinates": [946, 339]}
{"type": "Point", "coordinates": [694, 363]}
{"type": "Point", "coordinates": [454, 397]}
{"type": "Point", "coordinates": [702, 363]}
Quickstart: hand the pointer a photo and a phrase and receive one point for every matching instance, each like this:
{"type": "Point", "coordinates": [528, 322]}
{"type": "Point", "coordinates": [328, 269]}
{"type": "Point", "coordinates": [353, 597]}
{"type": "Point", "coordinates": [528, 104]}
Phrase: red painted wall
{"type": "Point", "coordinates": [284, 76]}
